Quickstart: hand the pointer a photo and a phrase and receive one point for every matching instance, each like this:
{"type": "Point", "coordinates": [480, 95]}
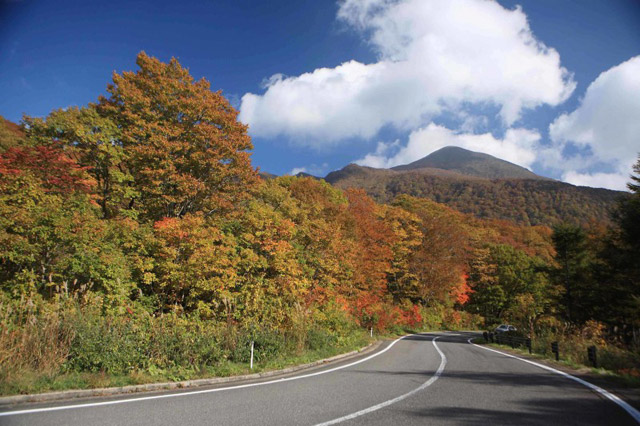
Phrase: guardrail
{"type": "Point", "coordinates": [517, 341]}
{"type": "Point", "coordinates": [507, 339]}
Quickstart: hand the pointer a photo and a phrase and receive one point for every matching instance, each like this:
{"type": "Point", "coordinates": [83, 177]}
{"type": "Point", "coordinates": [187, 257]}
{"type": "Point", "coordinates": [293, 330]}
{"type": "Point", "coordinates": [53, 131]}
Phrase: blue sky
{"type": "Point", "coordinates": [551, 85]}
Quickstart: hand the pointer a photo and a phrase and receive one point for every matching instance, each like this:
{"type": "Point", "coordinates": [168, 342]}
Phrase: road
{"type": "Point", "coordinates": [431, 378]}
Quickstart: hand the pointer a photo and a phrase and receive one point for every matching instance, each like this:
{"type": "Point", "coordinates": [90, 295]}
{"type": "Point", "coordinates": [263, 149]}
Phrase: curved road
{"type": "Point", "coordinates": [431, 378]}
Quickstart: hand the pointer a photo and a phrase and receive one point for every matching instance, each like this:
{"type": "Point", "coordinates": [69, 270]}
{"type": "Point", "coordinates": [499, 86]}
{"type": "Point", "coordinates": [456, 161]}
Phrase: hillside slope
{"type": "Point", "coordinates": [527, 201]}
{"type": "Point", "coordinates": [470, 163]}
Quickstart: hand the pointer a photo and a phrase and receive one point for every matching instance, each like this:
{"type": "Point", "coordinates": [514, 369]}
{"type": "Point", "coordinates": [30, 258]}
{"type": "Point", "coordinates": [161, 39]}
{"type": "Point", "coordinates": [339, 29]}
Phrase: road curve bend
{"type": "Point", "coordinates": [428, 378]}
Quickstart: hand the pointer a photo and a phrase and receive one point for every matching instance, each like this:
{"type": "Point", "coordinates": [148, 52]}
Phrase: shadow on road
{"type": "Point", "coordinates": [576, 411]}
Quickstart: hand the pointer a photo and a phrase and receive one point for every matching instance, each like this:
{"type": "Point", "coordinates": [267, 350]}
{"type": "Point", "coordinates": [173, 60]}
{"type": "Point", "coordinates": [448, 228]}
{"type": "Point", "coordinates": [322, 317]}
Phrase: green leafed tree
{"type": "Point", "coordinates": [620, 258]}
{"type": "Point", "coordinates": [574, 272]}
{"type": "Point", "coordinates": [510, 285]}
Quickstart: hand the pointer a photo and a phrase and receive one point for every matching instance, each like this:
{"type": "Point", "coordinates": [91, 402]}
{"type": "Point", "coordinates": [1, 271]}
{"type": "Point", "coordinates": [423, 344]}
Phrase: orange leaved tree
{"type": "Point", "coordinates": [186, 150]}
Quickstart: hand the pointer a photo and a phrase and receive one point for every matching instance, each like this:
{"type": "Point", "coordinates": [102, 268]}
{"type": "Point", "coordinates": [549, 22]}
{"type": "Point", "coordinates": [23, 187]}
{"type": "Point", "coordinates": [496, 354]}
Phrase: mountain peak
{"type": "Point", "coordinates": [470, 163]}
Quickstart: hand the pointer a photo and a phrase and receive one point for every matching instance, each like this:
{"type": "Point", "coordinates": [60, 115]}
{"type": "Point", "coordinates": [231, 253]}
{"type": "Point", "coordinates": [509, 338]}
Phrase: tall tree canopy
{"type": "Point", "coordinates": [574, 267]}
{"type": "Point", "coordinates": [10, 134]}
{"type": "Point", "coordinates": [621, 256]}
{"type": "Point", "coordinates": [185, 146]}
{"type": "Point", "coordinates": [94, 142]}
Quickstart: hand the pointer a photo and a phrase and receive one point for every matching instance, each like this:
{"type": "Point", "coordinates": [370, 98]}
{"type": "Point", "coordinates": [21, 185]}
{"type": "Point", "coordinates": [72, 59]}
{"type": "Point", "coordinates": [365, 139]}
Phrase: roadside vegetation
{"type": "Point", "coordinates": [138, 243]}
{"type": "Point", "coordinates": [616, 363]}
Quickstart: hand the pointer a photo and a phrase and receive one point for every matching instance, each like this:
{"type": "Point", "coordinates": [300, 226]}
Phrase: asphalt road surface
{"type": "Point", "coordinates": [432, 378]}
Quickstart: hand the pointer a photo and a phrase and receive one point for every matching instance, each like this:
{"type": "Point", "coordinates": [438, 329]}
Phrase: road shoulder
{"type": "Point", "coordinates": [610, 383]}
{"type": "Point", "coordinates": [15, 400]}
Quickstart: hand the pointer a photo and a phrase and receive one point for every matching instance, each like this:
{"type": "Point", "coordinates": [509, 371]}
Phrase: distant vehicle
{"type": "Point", "coordinates": [503, 328]}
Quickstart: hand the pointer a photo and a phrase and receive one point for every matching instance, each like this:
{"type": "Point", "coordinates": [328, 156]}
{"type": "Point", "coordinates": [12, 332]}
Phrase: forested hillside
{"type": "Point", "coordinates": [138, 242]}
{"type": "Point", "coordinates": [526, 201]}
{"type": "Point", "coordinates": [470, 163]}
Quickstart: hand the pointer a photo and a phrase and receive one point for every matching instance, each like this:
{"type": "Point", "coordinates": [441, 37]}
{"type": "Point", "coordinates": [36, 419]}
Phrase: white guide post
{"type": "Point", "coordinates": [251, 364]}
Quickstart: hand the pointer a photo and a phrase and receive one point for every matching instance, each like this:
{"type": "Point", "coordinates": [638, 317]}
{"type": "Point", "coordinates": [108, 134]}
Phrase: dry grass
{"type": "Point", "coordinates": [32, 338]}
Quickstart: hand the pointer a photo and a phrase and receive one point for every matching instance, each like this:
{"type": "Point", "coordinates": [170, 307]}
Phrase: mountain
{"type": "Point", "coordinates": [470, 163]}
{"type": "Point", "coordinates": [10, 134]}
{"type": "Point", "coordinates": [267, 175]}
{"type": "Point", "coordinates": [304, 174]}
{"type": "Point", "coordinates": [468, 184]}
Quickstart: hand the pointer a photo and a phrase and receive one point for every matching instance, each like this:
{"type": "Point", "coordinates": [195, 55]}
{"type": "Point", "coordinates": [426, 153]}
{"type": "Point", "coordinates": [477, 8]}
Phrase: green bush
{"type": "Point", "coordinates": [111, 345]}
{"type": "Point", "coordinates": [318, 338]}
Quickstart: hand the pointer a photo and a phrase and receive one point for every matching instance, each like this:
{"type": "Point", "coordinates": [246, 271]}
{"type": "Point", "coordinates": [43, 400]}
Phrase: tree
{"type": "Point", "coordinates": [488, 298]}
{"type": "Point", "coordinates": [93, 142]}
{"type": "Point", "coordinates": [574, 269]}
{"type": "Point", "coordinates": [620, 269]}
{"type": "Point", "coordinates": [402, 283]}
{"type": "Point", "coordinates": [627, 215]}
{"type": "Point", "coordinates": [186, 150]}
{"type": "Point", "coordinates": [49, 166]}
{"type": "Point", "coordinates": [10, 134]}
{"type": "Point", "coordinates": [508, 283]}
{"type": "Point", "coordinates": [319, 212]}
{"type": "Point", "coordinates": [438, 262]}
{"type": "Point", "coordinates": [50, 237]}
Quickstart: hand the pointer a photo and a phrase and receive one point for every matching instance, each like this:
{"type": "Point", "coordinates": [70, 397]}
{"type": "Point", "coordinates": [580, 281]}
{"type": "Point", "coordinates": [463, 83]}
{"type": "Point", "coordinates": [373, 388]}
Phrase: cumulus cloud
{"type": "Point", "coordinates": [313, 169]}
{"type": "Point", "coordinates": [518, 146]}
{"type": "Point", "coordinates": [434, 57]}
{"type": "Point", "coordinates": [606, 124]}
{"type": "Point", "coordinates": [597, 180]}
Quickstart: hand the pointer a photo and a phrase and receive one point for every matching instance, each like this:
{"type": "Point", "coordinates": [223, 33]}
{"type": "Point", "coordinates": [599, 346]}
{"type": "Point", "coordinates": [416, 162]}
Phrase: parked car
{"type": "Point", "coordinates": [503, 328]}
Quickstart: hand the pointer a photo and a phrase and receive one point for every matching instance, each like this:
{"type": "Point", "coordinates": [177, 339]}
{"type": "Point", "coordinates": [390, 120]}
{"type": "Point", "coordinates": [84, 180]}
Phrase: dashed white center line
{"type": "Point", "coordinates": [443, 363]}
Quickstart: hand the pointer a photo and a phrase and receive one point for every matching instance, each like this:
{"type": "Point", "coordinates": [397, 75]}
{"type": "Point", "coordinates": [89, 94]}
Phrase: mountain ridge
{"type": "Point", "coordinates": [470, 163]}
{"type": "Point", "coordinates": [469, 186]}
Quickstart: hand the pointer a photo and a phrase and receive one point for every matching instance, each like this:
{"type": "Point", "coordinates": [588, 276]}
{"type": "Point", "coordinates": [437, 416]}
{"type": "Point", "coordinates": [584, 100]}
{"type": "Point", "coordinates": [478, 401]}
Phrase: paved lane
{"type": "Point", "coordinates": [484, 387]}
{"type": "Point", "coordinates": [476, 386]}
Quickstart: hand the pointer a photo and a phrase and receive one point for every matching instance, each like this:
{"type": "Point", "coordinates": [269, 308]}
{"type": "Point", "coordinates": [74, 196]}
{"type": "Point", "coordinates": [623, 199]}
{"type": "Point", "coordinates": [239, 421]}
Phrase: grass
{"type": "Point", "coordinates": [30, 381]}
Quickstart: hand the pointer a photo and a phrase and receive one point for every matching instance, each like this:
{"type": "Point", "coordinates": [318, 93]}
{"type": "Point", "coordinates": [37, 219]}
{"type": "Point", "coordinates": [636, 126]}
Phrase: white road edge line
{"type": "Point", "coordinates": [628, 408]}
{"type": "Point", "coordinates": [174, 395]}
{"type": "Point", "coordinates": [426, 384]}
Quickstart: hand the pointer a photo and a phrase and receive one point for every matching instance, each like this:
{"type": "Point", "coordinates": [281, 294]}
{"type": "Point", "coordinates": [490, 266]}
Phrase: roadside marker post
{"type": "Point", "coordinates": [555, 350]}
{"type": "Point", "coordinates": [251, 363]}
{"type": "Point", "coordinates": [593, 356]}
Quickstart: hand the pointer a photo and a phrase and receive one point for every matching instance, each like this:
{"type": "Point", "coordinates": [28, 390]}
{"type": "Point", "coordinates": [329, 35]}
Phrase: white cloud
{"type": "Point", "coordinates": [608, 118]}
{"type": "Point", "coordinates": [518, 146]}
{"type": "Point", "coordinates": [598, 180]}
{"type": "Point", "coordinates": [313, 169]}
{"type": "Point", "coordinates": [606, 124]}
{"type": "Point", "coordinates": [435, 56]}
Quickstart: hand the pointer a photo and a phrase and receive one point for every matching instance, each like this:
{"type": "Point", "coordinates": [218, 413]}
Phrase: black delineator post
{"type": "Point", "coordinates": [529, 345]}
{"type": "Point", "coordinates": [555, 350]}
{"type": "Point", "coordinates": [486, 336]}
{"type": "Point", "coordinates": [593, 356]}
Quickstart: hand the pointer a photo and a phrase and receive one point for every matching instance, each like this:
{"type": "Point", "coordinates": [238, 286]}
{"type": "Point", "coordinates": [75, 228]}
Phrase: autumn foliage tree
{"type": "Point", "coordinates": [184, 144]}
{"type": "Point", "coordinates": [92, 141]}
{"type": "Point", "coordinates": [50, 237]}
{"type": "Point", "coordinates": [371, 256]}
{"type": "Point", "coordinates": [439, 261]}
{"type": "Point", "coordinates": [144, 209]}
{"type": "Point", "coordinates": [10, 134]}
